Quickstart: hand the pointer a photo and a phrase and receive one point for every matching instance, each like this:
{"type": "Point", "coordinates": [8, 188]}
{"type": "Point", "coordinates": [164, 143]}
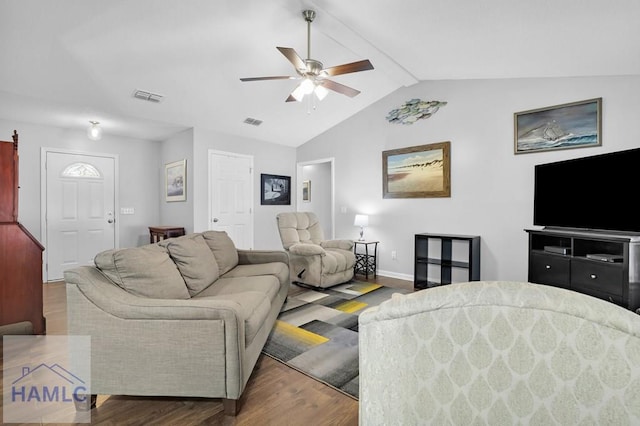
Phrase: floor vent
{"type": "Point", "coordinates": [253, 121]}
{"type": "Point", "coordinates": [148, 96]}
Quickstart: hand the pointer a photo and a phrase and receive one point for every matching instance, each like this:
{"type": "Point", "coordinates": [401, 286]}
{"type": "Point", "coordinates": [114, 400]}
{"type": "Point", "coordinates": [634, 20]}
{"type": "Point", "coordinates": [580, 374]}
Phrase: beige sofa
{"type": "Point", "coordinates": [499, 353]}
{"type": "Point", "coordinates": [187, 316]}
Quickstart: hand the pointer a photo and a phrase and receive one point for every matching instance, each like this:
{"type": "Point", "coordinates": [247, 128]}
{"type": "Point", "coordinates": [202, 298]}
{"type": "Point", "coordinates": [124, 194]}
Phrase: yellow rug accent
{"type": "Point", "coordinates": [364, 288]}
{"type": "Point", "coordinates": [350, 306]}
{"type": "Point", "coordinates": [300, 334]}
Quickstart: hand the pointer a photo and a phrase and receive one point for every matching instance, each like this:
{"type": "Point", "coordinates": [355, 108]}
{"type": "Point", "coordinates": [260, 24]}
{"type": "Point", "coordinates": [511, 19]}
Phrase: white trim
{"type": "Point", "coordinates": [299, 167]}
{"type": "Point", "coordinates": [43, 195]}
{"type": "Point", "coordinates": [210, 154]}
{"type": "Point", "coordinates": [398, 275]}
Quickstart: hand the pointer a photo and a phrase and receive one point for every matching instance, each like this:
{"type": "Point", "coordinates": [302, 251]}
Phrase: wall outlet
{"type": "Point", "coordinates": [394, 255]}
{"type": "Point", "coordinates": [343, 209]}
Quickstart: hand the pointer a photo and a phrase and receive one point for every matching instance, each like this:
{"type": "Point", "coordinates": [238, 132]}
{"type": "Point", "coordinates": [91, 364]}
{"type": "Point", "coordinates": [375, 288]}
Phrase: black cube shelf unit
{"type": "Point", "coordinates": [445, 258]}
{"type": "Point", "coordinates": [603, 265]}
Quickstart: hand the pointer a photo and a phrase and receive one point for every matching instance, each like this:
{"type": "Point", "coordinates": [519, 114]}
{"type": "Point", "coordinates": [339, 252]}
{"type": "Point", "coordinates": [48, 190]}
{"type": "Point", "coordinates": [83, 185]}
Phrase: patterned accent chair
{"type": "Point", "coordinates": [313, 260]}
{"type": "Point", "coordinates": [499, 353]}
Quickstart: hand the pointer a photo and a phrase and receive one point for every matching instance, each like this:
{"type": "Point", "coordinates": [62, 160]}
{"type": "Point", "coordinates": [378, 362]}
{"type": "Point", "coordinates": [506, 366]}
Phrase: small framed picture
{"type": "Point", "coordinates": [276, 190]}
{"type": "Point", "coordinates": [306, 191]}
{"type": "Point", "coordinates": [572, 125]}
{"type": "Point", "coordinates": [175, 181]}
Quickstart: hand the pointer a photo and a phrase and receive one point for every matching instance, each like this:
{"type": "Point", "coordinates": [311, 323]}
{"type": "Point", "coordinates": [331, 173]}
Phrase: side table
{"type": "Point", "coordinates": [157, 233]}
{"type": "Point", "coordinates": [367, 261]}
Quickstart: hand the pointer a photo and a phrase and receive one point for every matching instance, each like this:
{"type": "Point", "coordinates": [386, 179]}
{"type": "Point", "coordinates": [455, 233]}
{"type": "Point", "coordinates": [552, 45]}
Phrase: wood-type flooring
{"type": "Point", "coordinates": [275, 394]}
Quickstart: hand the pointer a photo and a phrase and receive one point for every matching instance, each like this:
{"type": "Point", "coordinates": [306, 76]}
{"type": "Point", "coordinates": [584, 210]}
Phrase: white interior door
{"type": "Point", "coordinates": [231, 196]}
{"type": "Point", "coordinates": [80, 210]}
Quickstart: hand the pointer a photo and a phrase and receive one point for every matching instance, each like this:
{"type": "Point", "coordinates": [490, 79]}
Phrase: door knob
{"type": "Point", "coordinates": [215, 219]}
{"type": "Point", "coordinates": [110, 220]}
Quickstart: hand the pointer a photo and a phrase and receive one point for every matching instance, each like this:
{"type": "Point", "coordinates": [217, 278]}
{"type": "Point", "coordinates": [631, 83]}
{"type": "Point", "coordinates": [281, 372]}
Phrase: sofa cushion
{"type": "Point", "coordinates": [146, 271]}
{"type": "Point", "coordinates": [254, 308]}
{"type": "Point", "coordinates": [267, 285]}
{"type": "Point", "coordinates": [194, 260]}
{"type": "Point", "coordinates": [223, 249]}
{"type": "Point", "coordinates": [273, 269]}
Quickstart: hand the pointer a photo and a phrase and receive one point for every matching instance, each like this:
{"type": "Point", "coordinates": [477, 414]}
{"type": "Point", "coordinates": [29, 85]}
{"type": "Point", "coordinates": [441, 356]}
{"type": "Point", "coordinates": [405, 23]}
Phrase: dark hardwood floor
{"type": "Point", "coordinates": [275, 394]}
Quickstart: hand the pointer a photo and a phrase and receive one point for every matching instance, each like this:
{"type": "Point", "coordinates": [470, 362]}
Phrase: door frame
{"type": "Point", "coordinates": [43, 196]}
{"type": "Point", "coordinates": [299, 178]}
{"type": "Point", "coordinates": [210, 154]}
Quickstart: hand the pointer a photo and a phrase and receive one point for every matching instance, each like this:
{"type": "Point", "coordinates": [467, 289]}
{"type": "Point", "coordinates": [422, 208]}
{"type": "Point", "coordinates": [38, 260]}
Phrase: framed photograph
{"type": "Point", "coordinates": [276, 190]}
{"type": "Point", "coordinates": [306, 191]}
{"type": "Point", "coordinates": [417, 172]}
{"type": "Point", "coordinates": [175, 181]}
{"type": "Point", "coordinates": [572, 125]}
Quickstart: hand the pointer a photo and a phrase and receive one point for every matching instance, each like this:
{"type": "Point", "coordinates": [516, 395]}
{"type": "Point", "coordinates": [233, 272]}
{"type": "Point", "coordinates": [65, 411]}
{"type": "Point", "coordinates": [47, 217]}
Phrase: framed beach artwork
{"type": "Point", "coordinates": [276, 190]}
{"type": "Point", "coordinates": [572, 125]}
{"type": "Point", "coordinates": [175, 181]}
{"type": "Point", "coordinates": [422, 171]}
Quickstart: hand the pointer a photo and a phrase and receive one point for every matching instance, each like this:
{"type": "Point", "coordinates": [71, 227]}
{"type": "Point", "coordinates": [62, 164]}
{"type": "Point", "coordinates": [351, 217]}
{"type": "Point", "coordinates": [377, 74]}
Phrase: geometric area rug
{"type": "Point", "coordinates": [317, 332]}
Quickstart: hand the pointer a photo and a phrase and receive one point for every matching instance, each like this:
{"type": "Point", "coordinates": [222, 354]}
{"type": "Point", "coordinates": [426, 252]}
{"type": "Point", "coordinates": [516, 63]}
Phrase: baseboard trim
{"type": "Point", "coordinates": [390, 274]}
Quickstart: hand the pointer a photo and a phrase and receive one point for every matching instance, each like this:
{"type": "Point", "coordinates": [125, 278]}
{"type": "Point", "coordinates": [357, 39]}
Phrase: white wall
{"type": "Point", "coordinates": [491, 188]}
{"type": "Point", "coordinates": [137, 159]}
{"type": "Point", "coordinates": [177, 213]}
{"type": "Point", "coordinates": [320, 201]}
{"type": "Point", "coordinates": [267, 158]}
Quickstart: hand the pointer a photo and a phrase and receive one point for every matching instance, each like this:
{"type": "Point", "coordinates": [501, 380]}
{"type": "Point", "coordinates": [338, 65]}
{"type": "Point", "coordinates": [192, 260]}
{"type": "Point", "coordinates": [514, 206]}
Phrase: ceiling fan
{"type": "Point", "coordinates": [313, 75]}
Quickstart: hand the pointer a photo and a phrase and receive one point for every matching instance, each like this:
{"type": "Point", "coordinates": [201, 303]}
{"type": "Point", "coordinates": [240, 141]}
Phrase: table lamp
{"type": "Point", "coordinates": [361, 220]}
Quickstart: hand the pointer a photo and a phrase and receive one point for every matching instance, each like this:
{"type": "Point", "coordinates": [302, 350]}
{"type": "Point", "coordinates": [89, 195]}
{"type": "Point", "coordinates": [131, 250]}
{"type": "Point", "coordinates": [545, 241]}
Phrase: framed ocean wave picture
{"type": "Point", "coordinates": [566, 126]}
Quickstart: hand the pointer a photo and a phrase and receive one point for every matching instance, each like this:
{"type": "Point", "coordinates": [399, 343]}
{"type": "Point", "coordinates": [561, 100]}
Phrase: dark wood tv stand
{"type": "Point", "coordinates": [600, 264]}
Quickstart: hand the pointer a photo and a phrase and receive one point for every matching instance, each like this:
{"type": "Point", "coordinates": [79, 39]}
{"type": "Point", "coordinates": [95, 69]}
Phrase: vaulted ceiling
{"type": "Point", "coordinates": [66, 62]}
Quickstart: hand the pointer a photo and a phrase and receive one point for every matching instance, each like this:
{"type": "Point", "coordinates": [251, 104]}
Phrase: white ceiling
{"type": "Point", "coordinates": [66, 62]}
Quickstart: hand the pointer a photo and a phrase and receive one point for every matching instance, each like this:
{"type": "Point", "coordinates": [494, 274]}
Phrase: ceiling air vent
{"type": "Point", "coordinates": [253, 121]}
{"type": "Point", "coordinates": [148, 96]}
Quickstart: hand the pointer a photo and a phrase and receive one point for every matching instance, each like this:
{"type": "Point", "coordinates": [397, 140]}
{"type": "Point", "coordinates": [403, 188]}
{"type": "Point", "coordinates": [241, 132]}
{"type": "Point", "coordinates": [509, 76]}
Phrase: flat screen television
{"type": "Point", "coordinates": [590, 193]}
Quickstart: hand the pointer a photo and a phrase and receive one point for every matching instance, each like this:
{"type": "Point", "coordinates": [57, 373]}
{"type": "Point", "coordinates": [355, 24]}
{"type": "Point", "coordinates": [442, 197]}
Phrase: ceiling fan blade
{"type": "Point", "coordinates": [293, 57]}
{"type": "Point", "coordinates": [347, 68]}
{"type": "Point", "coordinates": [291, 99]}
{"type": "Point", "coordinates": [340, 88]}
{"type": "Point", "coordinates": [275, 77]}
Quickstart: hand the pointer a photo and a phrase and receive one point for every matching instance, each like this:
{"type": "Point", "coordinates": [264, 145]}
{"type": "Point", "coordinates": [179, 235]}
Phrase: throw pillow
{"type": "Point", "coordinates": [223, 249]}
{"type": "Point", "coordinates": [146, 271]}
{"type": "Point", "coordinates": [196, 262]}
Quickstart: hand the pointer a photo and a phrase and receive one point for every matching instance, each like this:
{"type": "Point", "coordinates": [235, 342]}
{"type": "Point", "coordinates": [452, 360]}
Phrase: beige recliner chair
{"type": "Point", "coordinates": [312, 260]}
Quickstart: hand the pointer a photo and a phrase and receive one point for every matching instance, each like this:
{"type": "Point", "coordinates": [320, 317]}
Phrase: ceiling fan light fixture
{"type": "Point", "coordinates": [307, 86]}
{"type": "Point", "coordinates": [321, 92]}
{"type": "Point", "coordinates": [298, 93]}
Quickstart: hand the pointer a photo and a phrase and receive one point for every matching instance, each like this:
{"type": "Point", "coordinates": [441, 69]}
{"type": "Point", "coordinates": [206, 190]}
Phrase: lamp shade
{"type": "Point", "coordinates": [361, 220]}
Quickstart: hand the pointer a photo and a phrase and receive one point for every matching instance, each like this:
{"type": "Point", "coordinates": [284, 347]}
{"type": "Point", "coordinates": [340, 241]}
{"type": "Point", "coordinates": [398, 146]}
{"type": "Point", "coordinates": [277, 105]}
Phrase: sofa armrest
{"type": "Point", "coordinates": [339, 244]}
{"type": "Point", "coordinates": [305, 249]}
{"type": "Point", "coordinates": [250, 257]}
{"type": "Point", "coordinates": [110, 298]}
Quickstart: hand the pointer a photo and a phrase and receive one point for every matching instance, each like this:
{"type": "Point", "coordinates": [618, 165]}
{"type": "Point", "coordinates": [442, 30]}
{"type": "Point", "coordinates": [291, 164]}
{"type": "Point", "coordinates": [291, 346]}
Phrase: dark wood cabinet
{"type": "Point", "coordinates": [594, 263]}
{"type": "Point", "coordinates": [20, 256]}
{"type": "Point", "coordinates": [445, 258]}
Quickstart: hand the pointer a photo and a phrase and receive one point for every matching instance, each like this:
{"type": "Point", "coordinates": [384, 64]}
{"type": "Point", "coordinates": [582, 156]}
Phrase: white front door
{"type": "Point", "coordinates": [80, 210]}
{"type": "Point", "coordinates": [231, 196]}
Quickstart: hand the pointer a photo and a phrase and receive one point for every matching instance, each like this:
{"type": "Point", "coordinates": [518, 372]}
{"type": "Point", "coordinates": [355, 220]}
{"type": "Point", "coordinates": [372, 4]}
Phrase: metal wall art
{"type": "Point", "coordinates": [414, 110]}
